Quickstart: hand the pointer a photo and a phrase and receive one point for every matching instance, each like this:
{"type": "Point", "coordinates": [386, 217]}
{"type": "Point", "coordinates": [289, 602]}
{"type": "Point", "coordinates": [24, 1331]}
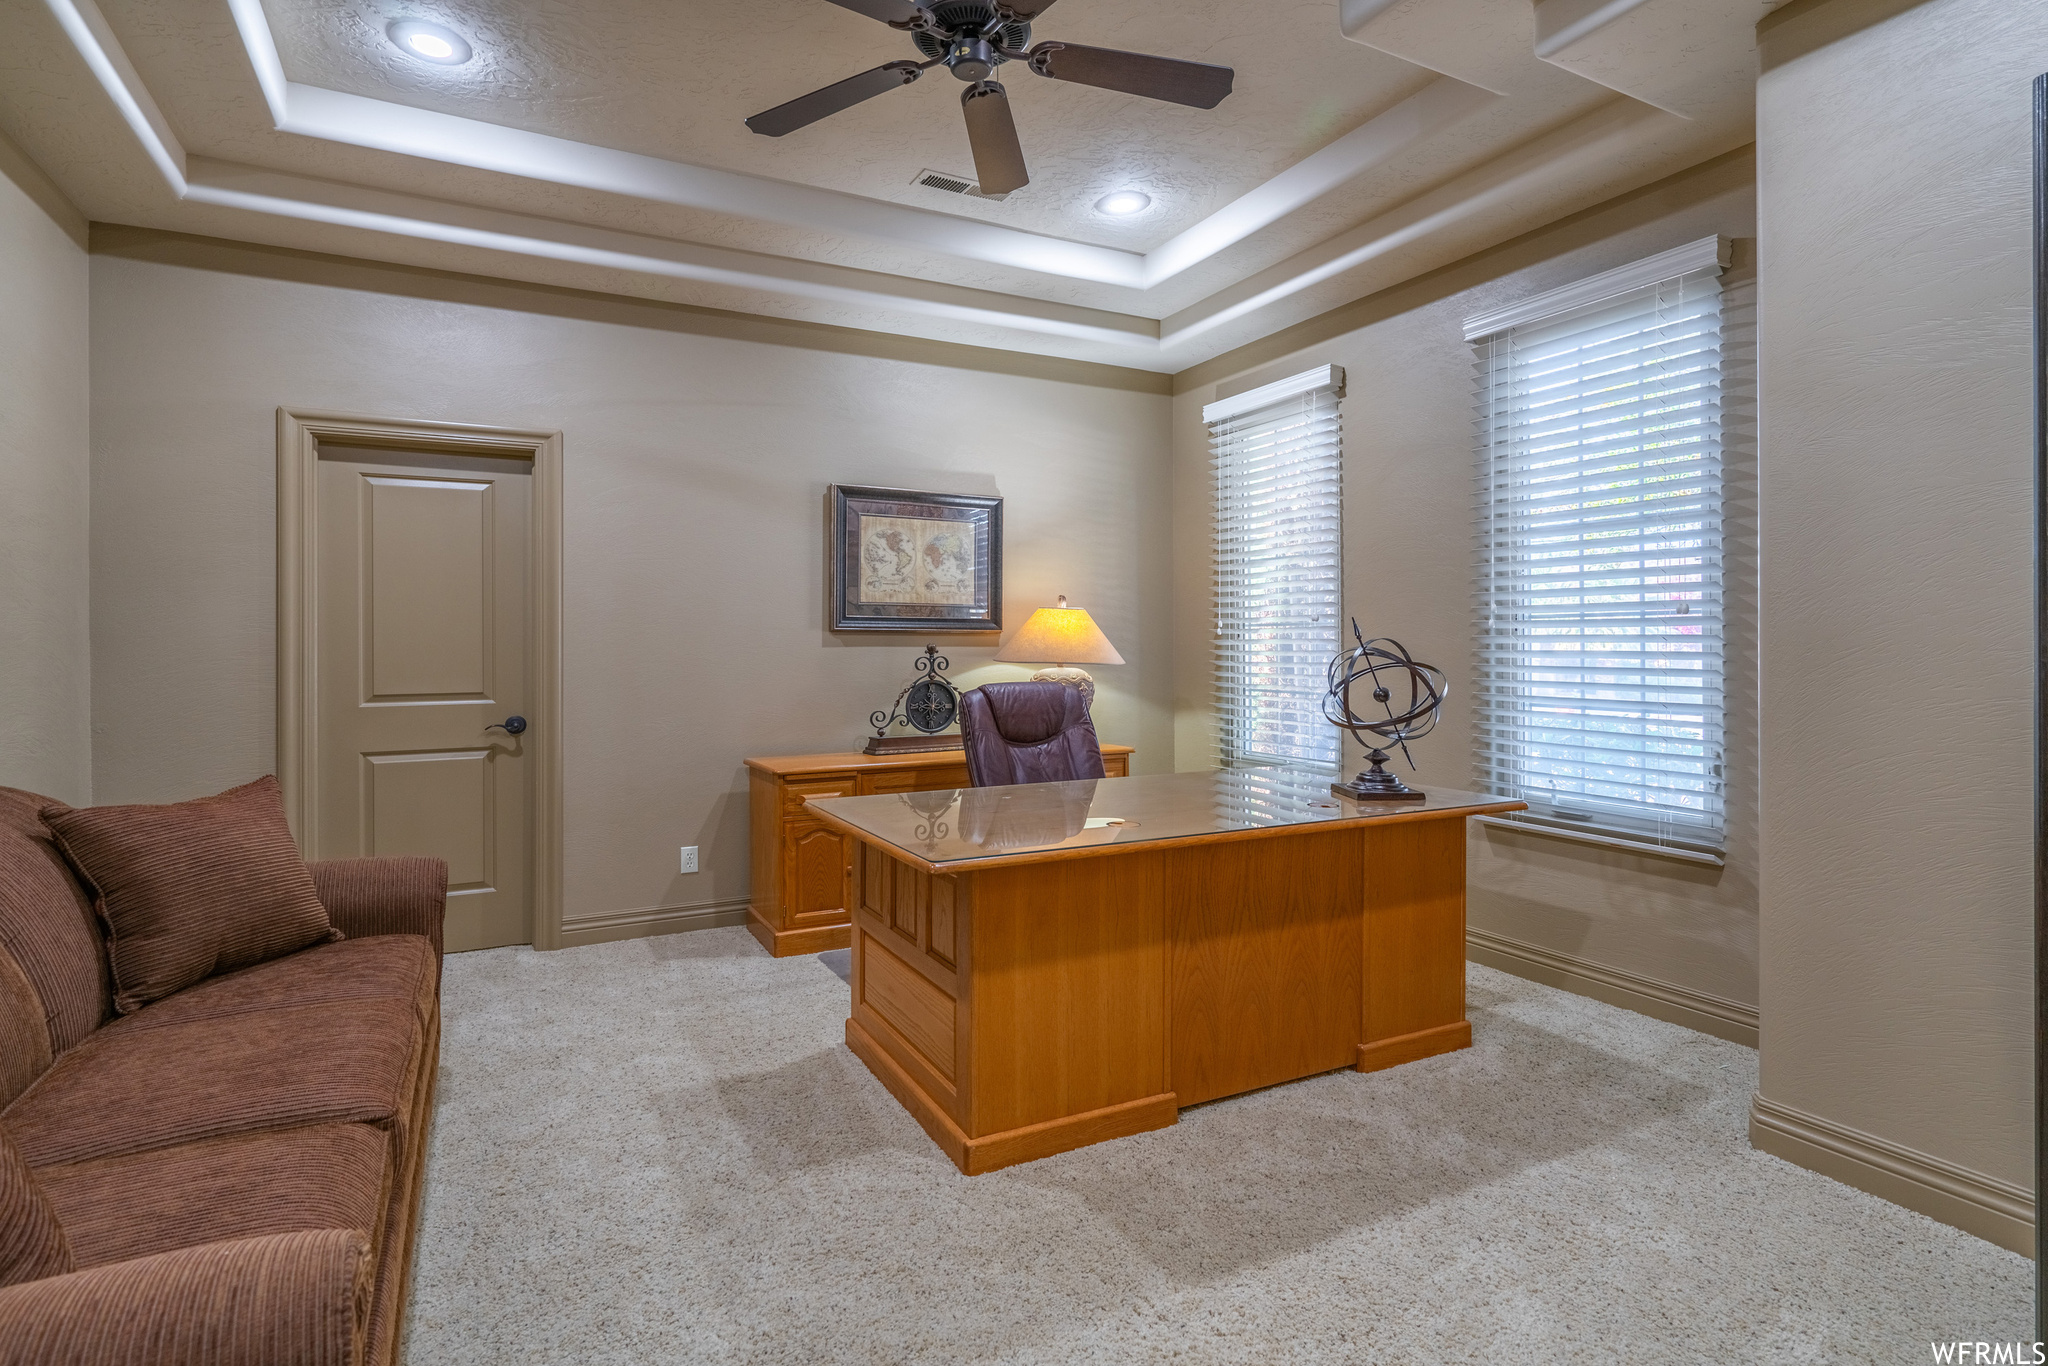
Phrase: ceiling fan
{"type": "Point", "coordinates": [971, 38]}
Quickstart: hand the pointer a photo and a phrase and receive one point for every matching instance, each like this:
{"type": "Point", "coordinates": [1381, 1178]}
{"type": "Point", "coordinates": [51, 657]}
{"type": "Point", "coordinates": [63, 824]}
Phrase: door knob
{"type": "Point", "coordinates": [513, 725]}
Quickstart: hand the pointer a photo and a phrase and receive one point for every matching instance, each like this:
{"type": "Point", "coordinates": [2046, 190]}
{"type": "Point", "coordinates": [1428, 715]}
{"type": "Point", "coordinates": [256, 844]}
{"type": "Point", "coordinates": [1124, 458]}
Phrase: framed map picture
{"type": "Point", "coordinates": [905, 561]}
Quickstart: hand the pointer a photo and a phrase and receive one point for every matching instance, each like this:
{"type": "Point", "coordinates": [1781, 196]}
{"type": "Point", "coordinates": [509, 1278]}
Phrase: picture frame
{"type": "Point", "coordinates": [903, 560]}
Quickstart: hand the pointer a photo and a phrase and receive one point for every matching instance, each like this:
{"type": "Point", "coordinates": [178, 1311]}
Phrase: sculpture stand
{"type": "Point", "coordinates": [1375, 784]}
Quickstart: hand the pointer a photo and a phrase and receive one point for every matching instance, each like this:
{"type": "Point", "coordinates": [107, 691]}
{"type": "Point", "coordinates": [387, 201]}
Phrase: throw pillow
{"type": "Point", "coordinates": [193, 889]}
{"type": "Point", "coordinates": [31, 1244]}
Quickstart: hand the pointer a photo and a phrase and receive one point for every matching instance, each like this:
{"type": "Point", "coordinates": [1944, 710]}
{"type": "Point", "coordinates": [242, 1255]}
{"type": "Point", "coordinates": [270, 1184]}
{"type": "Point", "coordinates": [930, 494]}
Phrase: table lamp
{"type": "Point", "coordinates": [1067, 636]}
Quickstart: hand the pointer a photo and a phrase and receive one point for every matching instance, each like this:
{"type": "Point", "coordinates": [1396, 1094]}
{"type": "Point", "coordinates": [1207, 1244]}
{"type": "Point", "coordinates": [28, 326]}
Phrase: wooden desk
{"type": "Point", "coordinates": [1029, 978]}
{"type": "Point", "coordinates": [802, 869]}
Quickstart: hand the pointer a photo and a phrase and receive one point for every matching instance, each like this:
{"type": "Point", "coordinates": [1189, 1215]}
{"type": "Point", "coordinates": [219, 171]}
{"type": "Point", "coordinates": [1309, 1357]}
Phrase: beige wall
{"type": "Point", "coordinates": [1898, 629]}
{"type": "Point", "coordinates": [45, 654]}
{"type": "Point", "coordinates": [697, 452]}
{"type": "Point", "coordinates": [1621, 923]}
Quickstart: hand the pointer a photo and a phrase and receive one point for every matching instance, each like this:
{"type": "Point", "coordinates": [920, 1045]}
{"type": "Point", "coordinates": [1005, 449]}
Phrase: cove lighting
{"type": "Point", "coordinates": [429, 42]}
{"type": "Point", "coordinates": [1123, 203]}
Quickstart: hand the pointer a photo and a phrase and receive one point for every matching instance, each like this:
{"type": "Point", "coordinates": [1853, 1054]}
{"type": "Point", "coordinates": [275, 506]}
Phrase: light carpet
{"type": "Point", "coordinates": [661, 1151]}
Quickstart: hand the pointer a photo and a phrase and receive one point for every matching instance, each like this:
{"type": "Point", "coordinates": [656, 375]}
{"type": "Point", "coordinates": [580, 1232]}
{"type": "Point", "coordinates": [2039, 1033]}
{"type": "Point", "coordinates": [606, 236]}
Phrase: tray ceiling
{"type": "Point", "coordinates": [599, 144]}
{"type": "Point", "coordinates": [675, 81]}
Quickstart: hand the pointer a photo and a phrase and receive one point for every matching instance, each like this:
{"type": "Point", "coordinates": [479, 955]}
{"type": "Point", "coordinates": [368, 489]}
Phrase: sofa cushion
{"type": "Point", "coordinates": [32, 1242]}
{"type": "Point", "coordinates": [242, 1186]}
{"type": "Point", "coordinates": [397, 967]}
{"type": "Point", "coordinates": [46, 923]}
{"type": "Point", "coordinates": [194, 888]}
{"type": "Point", "coordinates": [129, 1090]}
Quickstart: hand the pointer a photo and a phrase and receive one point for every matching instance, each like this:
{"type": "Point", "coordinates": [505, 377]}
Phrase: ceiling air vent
{"type": "Point", "coordinates": [953, 184]}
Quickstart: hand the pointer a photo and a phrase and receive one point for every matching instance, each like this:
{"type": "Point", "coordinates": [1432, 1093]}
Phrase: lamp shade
{"type": "Point", "coordinates": [1059, 635]}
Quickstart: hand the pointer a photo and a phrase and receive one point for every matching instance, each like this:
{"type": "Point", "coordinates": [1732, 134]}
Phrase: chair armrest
{"type": "Point", "coordinates": [288, 1299]}
{"type": "Point", "coordinates": [366, 896]}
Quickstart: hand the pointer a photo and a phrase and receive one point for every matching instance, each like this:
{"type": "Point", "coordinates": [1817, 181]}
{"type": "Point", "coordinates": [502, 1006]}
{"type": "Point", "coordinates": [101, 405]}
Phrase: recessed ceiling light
{"type": "Point", "coordinates": [429, 42]}
{"type": "Point", "coordinates": [1123, 203]}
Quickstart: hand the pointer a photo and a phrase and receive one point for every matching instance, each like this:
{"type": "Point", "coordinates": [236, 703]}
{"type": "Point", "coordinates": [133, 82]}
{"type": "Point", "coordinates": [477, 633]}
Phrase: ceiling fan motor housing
{"type": "Point", "coordinates": [959, 42]}
{"type": "Point", "coordinates": [971, 59]}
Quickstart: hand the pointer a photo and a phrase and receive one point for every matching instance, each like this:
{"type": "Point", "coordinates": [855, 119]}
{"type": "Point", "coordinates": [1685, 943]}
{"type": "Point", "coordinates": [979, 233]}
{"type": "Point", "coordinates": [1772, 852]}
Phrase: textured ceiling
{"type": "Point", "coordinates": [676, 81]}
{"type": "Point", "coordinates": [600, 144]}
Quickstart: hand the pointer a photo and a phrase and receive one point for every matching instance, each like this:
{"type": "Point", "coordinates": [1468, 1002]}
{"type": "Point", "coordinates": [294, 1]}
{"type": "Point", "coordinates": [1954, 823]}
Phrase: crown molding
{"type": "Point", "coordinates": [1731, 170]}
{"type": "Point", "coordinates": [1598, 136]}
{"type": "Point", "coordinates": [283, 194]}
{"type": "Point", "coordinates": [381, 125]}
{"type": "Point", "coordinates": [525, 294]}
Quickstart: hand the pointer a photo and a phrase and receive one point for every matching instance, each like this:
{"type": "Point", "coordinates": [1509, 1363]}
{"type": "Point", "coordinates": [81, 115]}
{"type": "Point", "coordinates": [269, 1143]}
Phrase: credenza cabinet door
{"type": "Point", "coordinates": [816, 863]}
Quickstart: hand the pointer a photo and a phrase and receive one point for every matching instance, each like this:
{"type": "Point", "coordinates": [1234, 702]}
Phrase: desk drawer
{"type": "Point", "coordinates": [796, 791]}
{"type": "Point", "coordinates": [931, 779]}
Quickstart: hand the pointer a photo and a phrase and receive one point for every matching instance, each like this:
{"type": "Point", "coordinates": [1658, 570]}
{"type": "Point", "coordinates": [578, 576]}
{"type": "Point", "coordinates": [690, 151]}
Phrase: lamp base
{"type": "Point", "coordinates": [1072, 677]}
{"type": "Point", "coordinates": [1375, 784]}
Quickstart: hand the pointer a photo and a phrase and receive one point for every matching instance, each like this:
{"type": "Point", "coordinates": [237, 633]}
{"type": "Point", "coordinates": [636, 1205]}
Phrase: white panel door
{"type": "Point", "coordinates": [422, 647]}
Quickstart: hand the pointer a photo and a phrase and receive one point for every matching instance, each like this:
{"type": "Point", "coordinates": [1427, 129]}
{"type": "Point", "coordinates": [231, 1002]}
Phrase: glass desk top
{"type": "Point", "coordinates": [968, 826]}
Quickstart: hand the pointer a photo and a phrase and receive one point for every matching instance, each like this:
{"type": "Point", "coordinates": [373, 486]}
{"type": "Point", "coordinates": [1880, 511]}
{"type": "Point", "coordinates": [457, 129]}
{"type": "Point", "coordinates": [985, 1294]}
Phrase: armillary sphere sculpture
{"type": "Point", "coordinates": [1380, 662]}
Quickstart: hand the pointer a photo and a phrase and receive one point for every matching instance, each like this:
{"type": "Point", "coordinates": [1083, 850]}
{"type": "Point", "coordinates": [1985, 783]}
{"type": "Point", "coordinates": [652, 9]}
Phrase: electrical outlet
{"type": "Point", "coordinates": [689, 858]}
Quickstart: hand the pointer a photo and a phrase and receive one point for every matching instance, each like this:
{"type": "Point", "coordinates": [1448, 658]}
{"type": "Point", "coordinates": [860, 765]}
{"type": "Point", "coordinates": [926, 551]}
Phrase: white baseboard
{"type": "Point", "coordinates": [654, 920]}
{"type": "Point", "coordinates": [1994, 1210]}
{"type": "Point", "coordinates": [1715, 1015]}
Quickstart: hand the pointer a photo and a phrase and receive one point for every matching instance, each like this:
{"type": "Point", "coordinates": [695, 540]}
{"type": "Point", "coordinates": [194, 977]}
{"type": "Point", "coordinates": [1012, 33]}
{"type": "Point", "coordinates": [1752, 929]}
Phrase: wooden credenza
{"type": "Point", "coordinates": [803, 870]}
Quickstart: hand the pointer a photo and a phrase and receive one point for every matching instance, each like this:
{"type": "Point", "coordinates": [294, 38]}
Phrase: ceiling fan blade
{"type": "Point", "coordinates": [1027, 10]}
{"type": "Point", "coordinates": [992, 133]}
{"type": "Point", "coordinates": [888, 11]}
{"type": "Point", "coordinates": [1135, 73]}
{"type": "Point", "coordinates": [808, 109]}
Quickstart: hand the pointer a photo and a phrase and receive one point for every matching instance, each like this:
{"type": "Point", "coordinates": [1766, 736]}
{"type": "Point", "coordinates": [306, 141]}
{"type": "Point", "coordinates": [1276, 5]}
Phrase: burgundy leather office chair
{"type": "Point", "coordinates": [1028, 733]}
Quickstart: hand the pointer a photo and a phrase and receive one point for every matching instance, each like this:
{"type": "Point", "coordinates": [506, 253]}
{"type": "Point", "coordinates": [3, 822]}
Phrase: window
{"type": "Point", "coordinates": [1277, 454]}
{"type": "Point", "coordinates": [1599, 661]}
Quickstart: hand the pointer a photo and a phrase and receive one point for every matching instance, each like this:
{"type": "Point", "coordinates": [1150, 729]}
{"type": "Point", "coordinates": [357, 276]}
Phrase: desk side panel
{"type": "Point", "coordinates": [1065, 967]}
{"type": "Point", "coordinates": [1414, 942]}
{"type": "Point", "coordinates": [764, 830]}
{"type": "Point", "coordinates": [1263, 981]}
{"type": "Point", "coordinates": [906, 998]}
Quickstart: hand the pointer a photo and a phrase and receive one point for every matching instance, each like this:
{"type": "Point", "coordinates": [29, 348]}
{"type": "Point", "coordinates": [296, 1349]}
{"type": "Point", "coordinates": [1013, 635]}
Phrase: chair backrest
{"type": "Point", "coordinates": [1028, 733]}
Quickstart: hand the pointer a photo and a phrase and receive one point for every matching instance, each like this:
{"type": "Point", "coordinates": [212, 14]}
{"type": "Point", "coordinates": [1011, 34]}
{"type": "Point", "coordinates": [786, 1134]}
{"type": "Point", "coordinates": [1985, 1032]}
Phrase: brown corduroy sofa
{"type": "Point", "coordinates": [235, 1169]}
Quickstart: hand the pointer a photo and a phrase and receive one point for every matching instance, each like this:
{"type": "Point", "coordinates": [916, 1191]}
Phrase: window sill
{"type": "Point", "coordinates": [1607, 841]}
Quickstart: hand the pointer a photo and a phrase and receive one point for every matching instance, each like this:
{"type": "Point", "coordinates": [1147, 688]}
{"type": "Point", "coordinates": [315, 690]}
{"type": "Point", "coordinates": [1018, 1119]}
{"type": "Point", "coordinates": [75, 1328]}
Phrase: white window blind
{"type": "Point", "coordinates": [1277, 456]}
{"type": "Point", "coordinates": [1598, 676]}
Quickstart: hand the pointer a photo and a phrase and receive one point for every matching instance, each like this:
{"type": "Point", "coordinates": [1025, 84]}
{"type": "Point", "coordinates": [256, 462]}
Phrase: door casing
{"type": "Point", "coordinates": [299, 436]}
